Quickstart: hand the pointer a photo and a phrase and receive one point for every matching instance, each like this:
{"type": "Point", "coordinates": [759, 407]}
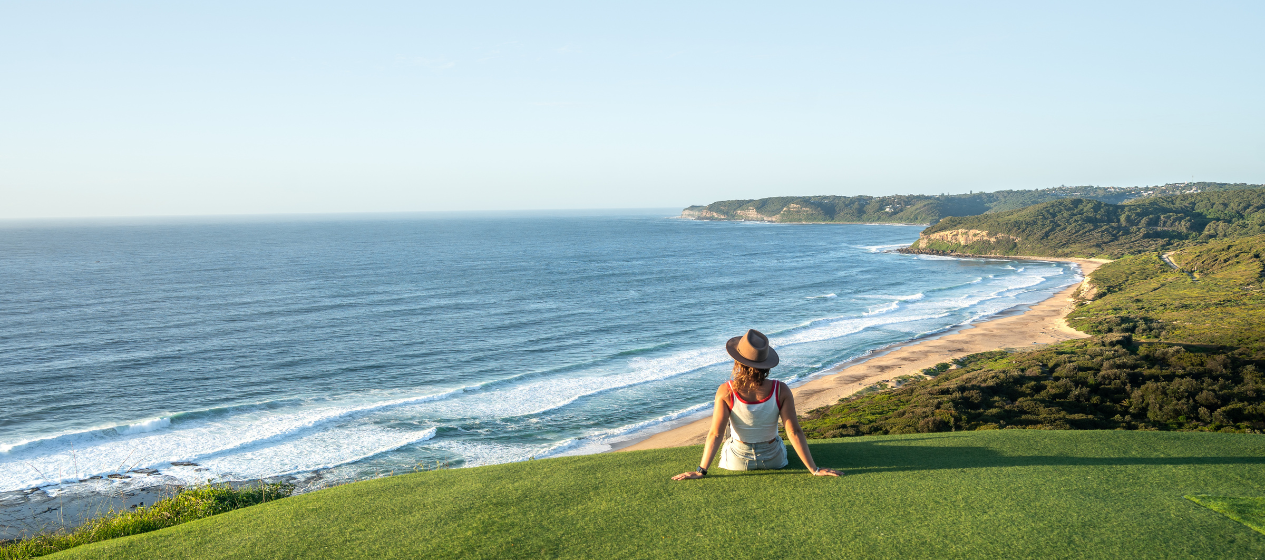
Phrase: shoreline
{"type": "Point", "coordinates": [1041, 324]}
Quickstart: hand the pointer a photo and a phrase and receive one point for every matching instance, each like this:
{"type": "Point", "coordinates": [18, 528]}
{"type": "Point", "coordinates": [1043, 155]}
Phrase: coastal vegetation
{"type": "Point", "coordinates": [1091, 228]}
{"type": "Point", "coordinates": [1215, 297]}
{"type": "Point", "coordinates": [1106, 383]}
{"type": "Point", "coordinates": [1179, 347]}
{"type": "Point", "coordinates": [187, 505]}
{"type": "Point", "coordinates": [926, 209]}
{"type": "Point", "coordinates": [981, 494]}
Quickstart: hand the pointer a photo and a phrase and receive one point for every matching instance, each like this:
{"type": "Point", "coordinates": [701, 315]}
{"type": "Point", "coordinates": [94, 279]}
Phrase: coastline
{"type": "Point", "coordinates": [1041, 324]}
{"type": "Point", "coordinates": [922, 224]}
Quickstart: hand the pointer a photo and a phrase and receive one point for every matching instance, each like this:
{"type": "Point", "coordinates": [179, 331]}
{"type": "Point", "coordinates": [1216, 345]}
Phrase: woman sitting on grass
{"type": "Point", "coordinates": [751, 405]}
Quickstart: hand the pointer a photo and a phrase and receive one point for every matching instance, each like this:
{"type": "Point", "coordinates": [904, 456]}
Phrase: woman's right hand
{"type": "Point", "coordinates": [688, 475]}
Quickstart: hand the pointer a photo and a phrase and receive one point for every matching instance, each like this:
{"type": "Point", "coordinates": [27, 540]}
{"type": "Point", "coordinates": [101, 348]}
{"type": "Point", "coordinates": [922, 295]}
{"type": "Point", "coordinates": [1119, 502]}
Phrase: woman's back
{"type": "Point", "coordinates": [754, 419]}
{"type": "Point", "coordinates": [752, 414]}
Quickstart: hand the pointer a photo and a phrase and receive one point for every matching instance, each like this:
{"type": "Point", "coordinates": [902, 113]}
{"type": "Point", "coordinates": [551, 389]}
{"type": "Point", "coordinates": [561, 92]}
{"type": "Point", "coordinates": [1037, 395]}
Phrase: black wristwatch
{"type": "Point", "coordinates": [702, 471]}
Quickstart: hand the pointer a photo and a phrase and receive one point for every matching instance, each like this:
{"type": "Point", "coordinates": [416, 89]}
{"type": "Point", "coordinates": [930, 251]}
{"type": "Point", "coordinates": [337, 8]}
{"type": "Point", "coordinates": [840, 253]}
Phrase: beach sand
{"type": "Point", "coordinates": [1041, 324]}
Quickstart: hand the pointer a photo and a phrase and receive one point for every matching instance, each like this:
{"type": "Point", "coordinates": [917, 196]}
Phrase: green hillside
{"type": "Point", "coordinates": [1217, 297]}
{"type": "Point", "coordinates": [1080, 227]}
{"type": "Point", "coordinates": [926, 208]}
{"type": "Point", "coordinates": [986, 494]}
{"type": "Point", "coordinates": [1180, 350]}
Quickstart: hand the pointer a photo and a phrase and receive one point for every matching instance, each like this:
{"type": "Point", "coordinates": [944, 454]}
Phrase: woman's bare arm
{"type": "Point", "coordinates": [798, 440]}
{"type": "Point", "coordinates": [720, 418]}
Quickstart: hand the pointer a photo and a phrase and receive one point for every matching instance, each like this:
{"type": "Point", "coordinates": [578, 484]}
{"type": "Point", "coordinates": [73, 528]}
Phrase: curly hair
{"type": "Point", "coordinates": [747, 377]}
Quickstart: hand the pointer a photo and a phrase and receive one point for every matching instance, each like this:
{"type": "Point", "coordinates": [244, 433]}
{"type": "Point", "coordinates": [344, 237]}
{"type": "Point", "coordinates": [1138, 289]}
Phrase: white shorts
{"type": "Point", "coordinates": [739, 456]}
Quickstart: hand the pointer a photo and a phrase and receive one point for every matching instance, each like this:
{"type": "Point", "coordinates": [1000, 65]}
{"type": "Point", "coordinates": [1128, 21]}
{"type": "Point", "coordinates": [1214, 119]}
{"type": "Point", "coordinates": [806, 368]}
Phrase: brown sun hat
{"type": "Point", "coordinates": [752, 349]}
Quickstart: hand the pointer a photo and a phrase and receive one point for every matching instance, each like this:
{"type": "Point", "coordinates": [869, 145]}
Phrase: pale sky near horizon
{"type": "Point", "coordinates": [179, 108]}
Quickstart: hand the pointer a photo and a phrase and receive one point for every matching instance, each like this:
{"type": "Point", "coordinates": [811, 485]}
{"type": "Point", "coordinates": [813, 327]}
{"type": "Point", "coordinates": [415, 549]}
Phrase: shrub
{"type": "Point", "coordinates": [1107, 382]}
{"type": "Point", "coordinates": [187, 505]}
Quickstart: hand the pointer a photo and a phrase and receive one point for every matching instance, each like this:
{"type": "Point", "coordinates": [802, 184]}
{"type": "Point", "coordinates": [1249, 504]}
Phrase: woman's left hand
{"type": "Point", "coordinates": [688, 475]}
{"type": "Point", "coordinates": [827, 472]}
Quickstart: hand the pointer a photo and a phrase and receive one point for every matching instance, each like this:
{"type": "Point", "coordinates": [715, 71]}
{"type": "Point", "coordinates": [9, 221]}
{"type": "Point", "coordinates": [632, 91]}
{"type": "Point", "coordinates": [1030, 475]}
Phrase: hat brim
{"type": "Point", "coordinates": [732, 348]}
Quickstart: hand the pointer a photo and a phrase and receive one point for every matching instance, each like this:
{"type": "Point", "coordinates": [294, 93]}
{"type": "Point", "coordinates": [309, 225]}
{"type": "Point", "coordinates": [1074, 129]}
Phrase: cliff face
{"type": "Point", "coordinates": [753, 215]}
{"type": "Point", "coordinates": [701, 213]}
{"type": "Point", "coordinates": [964, 237]}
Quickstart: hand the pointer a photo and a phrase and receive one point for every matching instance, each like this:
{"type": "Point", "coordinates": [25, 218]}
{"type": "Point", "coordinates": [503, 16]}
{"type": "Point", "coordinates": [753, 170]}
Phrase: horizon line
{"type": "Point", "coordinates": [319, 215]}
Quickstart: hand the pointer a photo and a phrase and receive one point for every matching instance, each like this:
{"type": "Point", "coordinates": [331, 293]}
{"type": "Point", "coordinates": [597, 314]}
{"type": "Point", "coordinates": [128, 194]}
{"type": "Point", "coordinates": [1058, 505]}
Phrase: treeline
{"type": "Point", "coordinates": [1108, 382]}
{"type": "Point", "coordinates": [1120, 195]}
{"type": "Point", "coordinates": [927, 209]}
{"type": "Point", "coordinates": [1081, 227]}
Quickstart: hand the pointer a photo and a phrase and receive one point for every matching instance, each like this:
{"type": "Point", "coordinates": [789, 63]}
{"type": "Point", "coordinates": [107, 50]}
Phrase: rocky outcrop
{"type": "Point", "coordinates": [1085, 293]}
{"type": "Point", "coordinates": [701, 213]}
{"type": "Point", "coordinates": [751, 214]}
{"type": "Point", "coordinates": [801, 213]}
{"type": "Point", "coordinates": [964, 237]}
{"type": "Point", "coordinates": [917, 251]}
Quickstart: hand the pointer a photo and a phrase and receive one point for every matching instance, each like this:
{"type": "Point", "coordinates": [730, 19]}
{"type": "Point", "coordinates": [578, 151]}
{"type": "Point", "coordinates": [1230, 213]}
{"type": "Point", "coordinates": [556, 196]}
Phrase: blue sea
{"type": "Point", "coordinates": [333, 349]}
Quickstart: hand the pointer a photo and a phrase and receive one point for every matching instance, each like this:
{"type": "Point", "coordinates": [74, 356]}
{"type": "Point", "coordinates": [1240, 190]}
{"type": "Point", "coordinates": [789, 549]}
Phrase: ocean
{"type": "Point", "coordinates": [334, 349]}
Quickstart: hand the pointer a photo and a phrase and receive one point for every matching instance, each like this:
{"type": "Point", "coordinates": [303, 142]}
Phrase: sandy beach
{"type": "Point", "coordinates": [1040, 325]}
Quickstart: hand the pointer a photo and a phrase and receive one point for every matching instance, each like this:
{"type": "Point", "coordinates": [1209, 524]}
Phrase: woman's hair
{"type": "Point", "coordinates": [747, 377]}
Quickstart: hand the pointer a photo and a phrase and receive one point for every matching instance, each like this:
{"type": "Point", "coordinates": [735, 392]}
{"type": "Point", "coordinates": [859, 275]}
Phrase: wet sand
{"type": "Point", "coordinates": [1041, 324]}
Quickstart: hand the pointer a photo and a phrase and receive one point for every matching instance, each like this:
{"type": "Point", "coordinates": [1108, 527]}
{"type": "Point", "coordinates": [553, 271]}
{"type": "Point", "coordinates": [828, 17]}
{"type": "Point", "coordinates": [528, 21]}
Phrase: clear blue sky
{"type": "Point", "coordinates": [172, 108]}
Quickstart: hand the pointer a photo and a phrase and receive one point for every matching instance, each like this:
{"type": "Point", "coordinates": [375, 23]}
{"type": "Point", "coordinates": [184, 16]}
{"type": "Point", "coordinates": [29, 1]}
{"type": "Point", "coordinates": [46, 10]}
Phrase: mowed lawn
{"type": "Point", "coordinates": [990, 494]}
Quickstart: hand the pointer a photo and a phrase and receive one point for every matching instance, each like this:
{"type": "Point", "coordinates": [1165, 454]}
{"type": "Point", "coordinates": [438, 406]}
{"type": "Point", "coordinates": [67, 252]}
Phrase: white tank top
{"type": "Point", "coordinates": [754, 422]}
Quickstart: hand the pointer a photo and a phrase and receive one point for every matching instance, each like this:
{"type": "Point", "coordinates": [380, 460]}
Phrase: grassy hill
{"type": "Point", "coordinates": [1001, 493]}
{"type": "Point", "coordinates": [1081, 227]}
{"type": "Point", "coordinates": [925, 208]}
{"type": "Point", "coordinates": [1217, 297]}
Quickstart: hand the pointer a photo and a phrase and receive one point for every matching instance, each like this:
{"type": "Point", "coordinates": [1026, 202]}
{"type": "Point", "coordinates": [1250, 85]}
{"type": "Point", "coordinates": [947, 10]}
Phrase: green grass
{"type": "Point", "coordinates": [187, 505]}
{"type": "Point", "coordinates": [1248, 511]}
{"type": "Point", "coordinates": [1002, 493]}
